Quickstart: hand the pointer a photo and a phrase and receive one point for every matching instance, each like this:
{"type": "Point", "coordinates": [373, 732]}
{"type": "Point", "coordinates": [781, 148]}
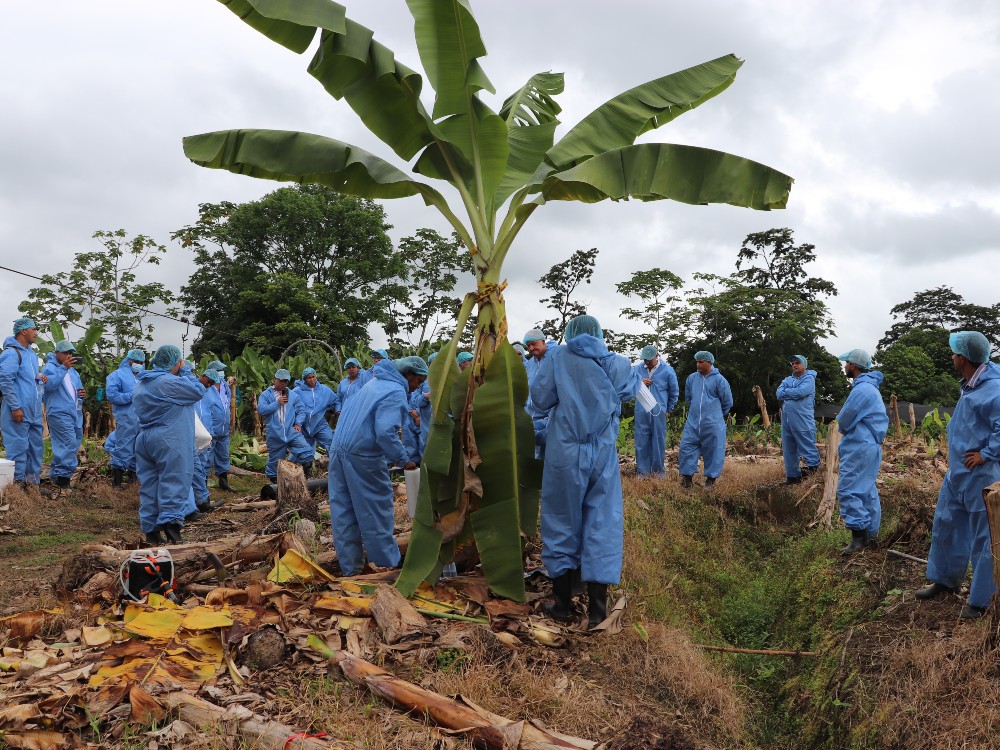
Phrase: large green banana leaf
{"type": "Point", "coordinates": [619, 121]}
{"type": "Point", "coordinates": [654, 171]}
{"type": "Point", "coordinates": [290, 23]}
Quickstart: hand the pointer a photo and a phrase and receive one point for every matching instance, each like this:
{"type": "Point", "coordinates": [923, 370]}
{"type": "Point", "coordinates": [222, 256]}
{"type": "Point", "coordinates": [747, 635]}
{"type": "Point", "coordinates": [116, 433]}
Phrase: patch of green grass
{"type": "Point", "coordinates": [45, 540]}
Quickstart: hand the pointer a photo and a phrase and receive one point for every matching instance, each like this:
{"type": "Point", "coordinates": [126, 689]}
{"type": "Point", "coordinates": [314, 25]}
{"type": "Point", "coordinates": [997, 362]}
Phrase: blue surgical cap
{"type": "Point", "coordinates": [858, 357]}
{"type": "Point", "coordinates": [414, 365]}
{"type": "Point", "coordinates": [432, 357]}
{"type": "Point", "coordinates": [648, 352]}
{"type": "Point", "coordinates": [351, 361]}
{"type": "Point", "coordinates": [535, 334]}
{"type": "Point", "coordinates": [22, 324]}
{"type": "Point", "coordinates": [583, 324]}
{"type": "Point", "coordinates": [214, 375]}
{"type": "Point", "coordinates": [166, 357]}
{"type": "Point", "coordinates": [380, 353]}
{"type": "Point", "coordinates": [282, 374]}
{"type": "Point", "coordinates": [216, 364]}
{"type": "Point", "coordinates": [972, 345]}
{"type": "Point", "coordinates": [65, 346]}
{"type": "Point", "coordinates": [308, 371]}
{"type": "Point", "coordinates": [704, 357]}
{"type": "Point", "coordinates": [463, 357]}
{"type": "Point", "coordinates": [137, 355]}
{"type": "Point", "coordinates": [800, 359]}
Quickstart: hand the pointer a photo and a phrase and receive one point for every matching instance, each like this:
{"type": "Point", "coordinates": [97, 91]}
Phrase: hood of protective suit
{"type": "Point", "coordinates": [992, 372]}
{"type": "Point", "coordinates": [384, 369]}
{"type": "Point", "coordinates": [50, 358]}
{"type": "Point", "coordinates": [586, 345]}
{"type": "Point", "coordinates": [126, 364]}
{"type": "Point", "coordinates": [11, 341]}
{"type": "Point", "coordinates": [875, 378]}
{"type": "Point", "coordinates": [150, 374]}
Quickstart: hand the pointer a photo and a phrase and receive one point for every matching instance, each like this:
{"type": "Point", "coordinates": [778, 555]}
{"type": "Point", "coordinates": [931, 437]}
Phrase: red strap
{"type": "Point", "coordinates": [302, 736]}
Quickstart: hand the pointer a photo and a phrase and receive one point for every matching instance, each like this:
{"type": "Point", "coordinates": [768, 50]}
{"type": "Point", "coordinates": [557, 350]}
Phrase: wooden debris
{"type": "Point", "coordinates": [397, 619]}
{"type": "Point", "coordinates": [763, 651]}
{"type": "Point", "coordinates": [906, 556]}
{"type": "Point", "coordinates": [293, 493]}
{"type": "Point", "coordinates": [991, 497]}
{"type": "Point", "coordinates": [824, 513]}
{"type": "Point", "coordinates": [762, 405]}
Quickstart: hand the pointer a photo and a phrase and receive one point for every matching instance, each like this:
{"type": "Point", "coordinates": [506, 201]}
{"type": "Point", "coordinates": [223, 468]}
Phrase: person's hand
{"type": "Point", "coordinates": [297, 428]}
{"type": "Point", "coordinates": [283, 398]}
{"type": "Point", "coordinates": [647, 382]}
{"type": "Point", "coordinates": [409, 465]}
{"type": "Point", "coordinates": [17, 415]}
{"type": "Point", "coordinates": [427, 396]}
{"type": "Point", "coordinates": [972, 459]}
{"type": "Point", "coordinates": [43, 377]}
{"type": "Point", "coordinates": [414, 413]}
{"type": "Point", "coordinates": [81, 392]}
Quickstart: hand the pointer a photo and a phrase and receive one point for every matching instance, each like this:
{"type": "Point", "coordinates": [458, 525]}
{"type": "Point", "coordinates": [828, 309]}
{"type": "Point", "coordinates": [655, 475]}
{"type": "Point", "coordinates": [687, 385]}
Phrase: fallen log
{"type": "Point", "coordinates": [485, 729]}
{"type": "Point", "coordinates": [763, 651]}
{"type": "Point", "coordinates": [269, 735]}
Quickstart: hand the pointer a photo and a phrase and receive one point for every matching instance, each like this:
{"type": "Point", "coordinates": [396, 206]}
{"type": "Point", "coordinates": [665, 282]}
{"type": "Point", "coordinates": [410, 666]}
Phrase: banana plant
{"type": "Point", "coordinates": [480, 481]}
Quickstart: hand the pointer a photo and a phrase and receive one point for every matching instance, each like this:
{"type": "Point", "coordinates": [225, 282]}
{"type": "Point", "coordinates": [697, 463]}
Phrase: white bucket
{"type": "Point", "coordinates": [412, 477]}
{"type": "Point", "coordinates": [6, 473]}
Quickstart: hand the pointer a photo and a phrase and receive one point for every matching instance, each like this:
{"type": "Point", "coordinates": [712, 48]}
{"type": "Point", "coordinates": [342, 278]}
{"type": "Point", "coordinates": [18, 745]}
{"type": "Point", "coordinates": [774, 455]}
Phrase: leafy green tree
{"type": "Point", "coordinates": [771, 260]}
{"type": "Point", "coordinates": [102, 291]}
{"type": "Point", "coordinates": [479, 477]}
{"type": "Point", "coordinates": [563, 279]}
{"type": "Point", "coordinates": [912, 375]}
{"type": "Point", "coordinates": [301, 262]}
{"type": "Point", "coordinates": [655, 290]}
{"type": "Point", "coordinates": [942, 308]}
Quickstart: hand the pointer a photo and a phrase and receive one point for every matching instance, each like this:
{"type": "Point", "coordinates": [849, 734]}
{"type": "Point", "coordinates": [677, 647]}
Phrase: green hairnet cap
{"type": "Point", "coordinates": [351, 361]}
{"type": "Point", "coordinates": [463, 357]}
{"type": "Point", "coordinates": [136, 355]}
{"type": "Point", "coordinates": [704, 357]}
{"type": "Point", "coordinates": [972, 345]}
{"type": "Point", "coordinates": [584, 324]}
{"type": "Point", "coordinates": [214, 375]}
{"type": "Point", "coordinates": [858, 357]}
{"type": "Point", "coordinates": [798, 358]}
{"type": "Point", "coordinates": [535, 334]}
{"type": "Point", "coordinates": [411, 365]}
{"type": "Point", "coordinates": [216, 364]}
{"type": "Point", "coordinates": [23, 324]}
{"type": "Point", "coordinates": [166, 357]}
{"type": "Point", "coordinates": [282, 374]}
{"type": "Point", "coordinates": [648, 352]}
{"type": "Point", "coordinates": [65, 346]}
{"type": "Point", "coordinates": [308, 371]}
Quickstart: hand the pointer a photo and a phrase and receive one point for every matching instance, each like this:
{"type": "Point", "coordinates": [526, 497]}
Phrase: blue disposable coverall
{"type": "Point", "coordinates": [316, 402]}
{"type": "Point", "coordinates": [863, 423]}
{"type": "Point", "coordinates": [414, 436]}
{"type": "Point", "coordinates": [21, 389]}
{"type": "Point", "coordinates": [709, 401]}
{"type": "Point", "coordinates": [118, 388]}
{"type": "Point", "coordinates": [349, 388]}
{"type": "Point", "coordinates": [539, 417]}
{"type": "Point", "coordinates": [203, 460]}
{"type": "Point", "coordinates": [365, 443]}
{"type": "Point", "coordinates": [650, 428]}
{"type": "Point", "coordinates": [798, 422]}
{"type": "Point", "coordinates": [219, 401]}
{"type": "Point", "coordinates": [581, 386]}
{"type": "Point", "coordinates": [961, 532]}
{"type": "Point", "coordinates": [164, 448]}
{"type": "Point", "coordinates": [64, 414]}
{"type": "Point", "coordinates": [282, 437]}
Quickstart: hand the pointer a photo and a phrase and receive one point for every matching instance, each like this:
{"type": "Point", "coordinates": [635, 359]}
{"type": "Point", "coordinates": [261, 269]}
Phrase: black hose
{"type": "Point", "coordinates": [270, 491]}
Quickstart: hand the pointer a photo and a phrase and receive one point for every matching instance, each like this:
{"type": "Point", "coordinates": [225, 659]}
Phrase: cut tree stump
{"type": "Point", "coordinates": [762, 405]}
{"type": "Point", "coordinates": [293, 493]}
{"type": "Point", "coordinates": [397, 619]}
{"type": "Point", "coordinates": [824, 513]}
{"type": "Point", "coordinates": [991, 497]}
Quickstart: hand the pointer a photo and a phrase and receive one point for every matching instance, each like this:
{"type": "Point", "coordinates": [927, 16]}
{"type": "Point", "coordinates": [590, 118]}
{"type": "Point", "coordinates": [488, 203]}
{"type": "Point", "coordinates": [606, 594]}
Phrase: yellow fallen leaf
{"type": "Point", "coordinates": [294, 567]}
{"type": "Point", "coordinates": [345, 605]}
{"type": "Point", "coordinates": [206, 618]}
{"type": "Point", "coordinates": [346, 622]}
{"type": "Point", "coordinates": [96, 636]}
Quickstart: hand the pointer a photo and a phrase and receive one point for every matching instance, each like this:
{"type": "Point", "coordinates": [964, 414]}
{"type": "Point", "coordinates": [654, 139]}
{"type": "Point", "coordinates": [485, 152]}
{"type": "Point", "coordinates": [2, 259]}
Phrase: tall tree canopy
{"type": "Point", "coordinates": [563, 279]}
{"type": "Point", "coordinates": [658, 303]}
{"type": "Point", "coordinates": [301, 262]}
{"type": "Point", "coordinates": [942, 308]}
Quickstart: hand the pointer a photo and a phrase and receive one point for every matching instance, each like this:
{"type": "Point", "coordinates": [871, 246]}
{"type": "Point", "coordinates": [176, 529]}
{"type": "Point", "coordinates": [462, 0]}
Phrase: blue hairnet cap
{"type": "Point", "coordinates": [351, 361]}
{"type": "Point", "coordinates": [136, 354]}
{"type": "Point", "coordinates": [282, 374]}
{"type": "Point", "coordinates": [414, 365]}
{"type": "Point", "coordinates": [648, 352]}
{"type": "Point", "coordinates": [65, 346]}
{"type": "Point", "coordinates": [380, 353]}
{"type": "Point", "coordinates": [166, 357]}
{"type": "Point", "coordinates": [23, 324]}
{"type": "Point", "coordinates": [800, 359]}
{"type": "Point", "coordinates": [432, 357]}
{"type": "Point", "coordinates": [535, 334]}
{"type": "Point", "coordinates": [216, 364]}
{"type": "Point", "coordinates": [214, 375]}
{"type": "Point", "coordinates": [463, 357]}
{"type": "Point", "coordinates": [972, 345]}
{"type": "Point", "coordinates": [858, 357]}
{"type": "Point", "coordinates": [704, 357]}
{"type": "Point", "coordinates": [584, 324]}
{"type": "Point", "coordinates": [308, 371]}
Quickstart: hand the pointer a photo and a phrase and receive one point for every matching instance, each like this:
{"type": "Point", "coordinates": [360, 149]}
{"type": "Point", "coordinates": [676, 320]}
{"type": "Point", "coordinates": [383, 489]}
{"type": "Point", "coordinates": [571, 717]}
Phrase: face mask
{"type": "Point", "coordinates": [137, 368]}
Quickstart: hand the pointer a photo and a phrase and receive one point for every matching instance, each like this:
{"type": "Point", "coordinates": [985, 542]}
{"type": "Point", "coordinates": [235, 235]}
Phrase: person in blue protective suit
{"type": "Point", "coordinates": [203, 458]}
{"type": "Point", "coordinates": [709, 400]}
{"type": "Point", "coordinates": [218, 408]}
{"type": "Point", "coordinates": [522, 352]}
{"type": "Point", "coordinates": [961, 532]}
{"type": "Point", "coordinates": [164, 401]}
{"type": "Point", "coordinates": [651, 426]}
{"type": "Point", "coordinates": [377, 356]}
{"type": "Point", "coordinates": [863, 423]}
{"type": "Point", "coordinates": [317, 399]}
{"type": "Point", "coordinates": [63, 398]}
{"type": "Point", "coordinates": [464, 360]}
{"type": "Point", "coordinates": [797, 394]}
{"type": "Point", "coordinates": [365, 443]}
{"type": "Point", "coordinates": [352, 384]}
{"type": "Point", "coordinates": [118, 389]}
{"type": "Point", "coordinates": [418, 426]}
{"type": "Point", "coordinates": [538, 347]}
{"type": "Point", "coordinates": [581, 386]}
{"type": "Point", "coordinates": [21, 411]}
{"type": "Point", "coordinates": [282, 410]}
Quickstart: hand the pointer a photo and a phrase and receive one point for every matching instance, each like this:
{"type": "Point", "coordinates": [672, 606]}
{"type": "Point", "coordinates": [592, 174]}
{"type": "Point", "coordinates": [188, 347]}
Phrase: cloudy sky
{"type": "Point", "coordinates": [885, 113]}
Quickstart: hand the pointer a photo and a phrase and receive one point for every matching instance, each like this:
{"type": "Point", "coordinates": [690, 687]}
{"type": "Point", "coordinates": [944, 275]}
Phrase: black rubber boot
{"type": "Point", "coordinates": [224, 482]}
{"type": "Point", "coordinates": [578, 585]}
{"type": "Point", "coordinates": [116, 478]}
{"type": "Point", "coordinates": [933, 590]}
{"type": "Point", "coordinates": [562, 595]}
{"type": "Point", "coordinates": [307, 469]}
{"type": "Point", "coordinates": [709, 483]}
{"type": "Point", "coordinates": [971, 612]}
{"type": "Point", "coordinates": [686, 480]}
{"type": "Point", "coordinates": [597, 603]}
{"type": "Point", "coordinates": [130, 477]}
{"type": "Point", "coordinates": [172, 532]}
{"type": "Point", "coordinates": [859, 540]}
{"type": "Point", "coordinates": [808, 471]}
{"type": "Point", "coordinates": [192, 517]}
{"type": "Point", "coordinates": [154, 537]}
{"type": "Point", "coordinates": [793, 480]}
